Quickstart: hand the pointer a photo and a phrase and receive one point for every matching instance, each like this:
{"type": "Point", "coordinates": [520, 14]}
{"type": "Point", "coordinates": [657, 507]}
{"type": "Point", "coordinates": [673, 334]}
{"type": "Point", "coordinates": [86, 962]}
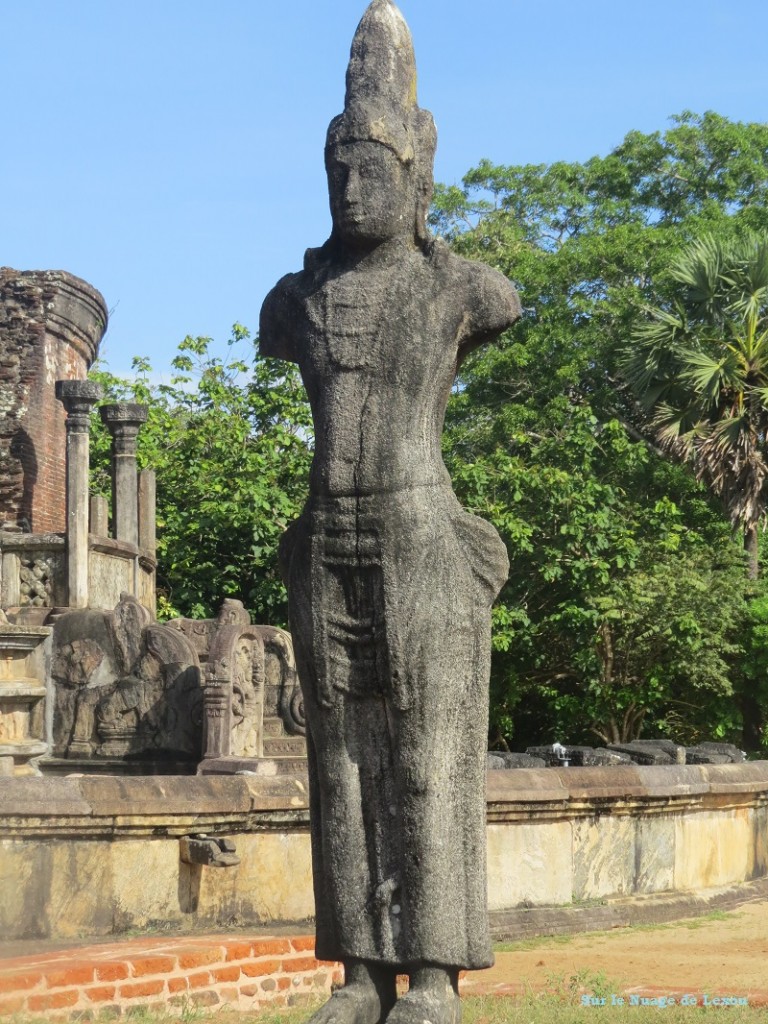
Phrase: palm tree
{"type": "Point", "coordinates": [699, 367]}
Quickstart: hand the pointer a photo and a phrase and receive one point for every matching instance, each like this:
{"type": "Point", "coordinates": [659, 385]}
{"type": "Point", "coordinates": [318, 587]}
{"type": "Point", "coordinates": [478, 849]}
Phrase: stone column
{"type": "Point", "coordinates": [123, 420]}
{"type": "Point", "coordinates": [147, 511]}
{"type": "Point", "coordinates": [99, 516]}
{"type": "Point", "coordinates": [78, 398]}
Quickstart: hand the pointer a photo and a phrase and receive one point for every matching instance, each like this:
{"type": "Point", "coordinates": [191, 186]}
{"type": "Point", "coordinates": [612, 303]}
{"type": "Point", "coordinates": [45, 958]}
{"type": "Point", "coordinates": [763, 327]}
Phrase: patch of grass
{"type": "Point", "coordinates": [561, 1004]}
{"type": "Point", "coordinates": [691, 923]}
{"type": "Point", "coordinates": [715, 915]}
{"type": "Point", "coordinates": [539, 941]}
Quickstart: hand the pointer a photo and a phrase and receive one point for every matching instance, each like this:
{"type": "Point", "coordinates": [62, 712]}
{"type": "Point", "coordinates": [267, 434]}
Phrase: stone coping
{"type": "Point", "coordinates": [105, 805]}
{"type": "Point", "coordinates": [553, 793]}
{"type": "Point", "coordinates": [20, 637]}
{"type": "Point", "coordinates": [110, 546]}
{"type": "Point", "coordinates": [15, 540]}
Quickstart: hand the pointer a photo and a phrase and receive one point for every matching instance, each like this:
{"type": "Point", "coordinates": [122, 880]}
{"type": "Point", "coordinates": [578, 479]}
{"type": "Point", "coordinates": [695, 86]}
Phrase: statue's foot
{"type": "Point", "coordinates": [433, 998]}
{"type": "Point", "coordinates": [367, 997]}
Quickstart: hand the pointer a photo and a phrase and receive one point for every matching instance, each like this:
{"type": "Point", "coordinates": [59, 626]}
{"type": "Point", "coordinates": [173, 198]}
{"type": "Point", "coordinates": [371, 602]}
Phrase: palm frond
{"type": "Point", "coordinates": [709, 376]}
{"type": "Point", "coordinates": [700, 369]}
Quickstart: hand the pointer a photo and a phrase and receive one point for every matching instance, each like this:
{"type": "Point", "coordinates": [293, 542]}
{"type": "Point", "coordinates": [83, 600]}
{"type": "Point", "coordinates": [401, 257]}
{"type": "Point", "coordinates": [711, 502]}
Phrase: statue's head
{"type": "Point", "coordinates": [379, 152]}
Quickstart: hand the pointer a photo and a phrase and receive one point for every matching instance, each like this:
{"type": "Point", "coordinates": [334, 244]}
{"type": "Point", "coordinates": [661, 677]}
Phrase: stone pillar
{"type": "Point", "coordinates": [123, 420]}
{"type": "Point", "coordinates": [99, 516]}
{"type": "Point", "coordinates": [78, 398]}
{"type": "Point", "coordinates": [217, 715]}
{"type": "Point", "coordinates": [147, 563]}
{"type": "Point", "coordinates": [147, 504]}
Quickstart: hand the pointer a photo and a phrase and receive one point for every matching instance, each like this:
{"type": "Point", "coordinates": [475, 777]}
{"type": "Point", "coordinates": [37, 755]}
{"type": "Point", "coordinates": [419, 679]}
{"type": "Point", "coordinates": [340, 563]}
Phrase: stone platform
{"type": "Point", "coordinates": [97, 856]}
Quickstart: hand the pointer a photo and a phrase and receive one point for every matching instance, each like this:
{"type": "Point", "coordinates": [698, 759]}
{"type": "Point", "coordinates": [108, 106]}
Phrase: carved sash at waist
{"type": "Point", "coordinates": [353, 511]}
{"type": "Point", "coordinates": [378, 579]}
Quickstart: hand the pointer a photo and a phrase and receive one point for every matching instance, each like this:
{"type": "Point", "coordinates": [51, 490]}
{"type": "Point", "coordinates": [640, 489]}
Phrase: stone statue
{"type": "Point", "coordinates": [390, 582]}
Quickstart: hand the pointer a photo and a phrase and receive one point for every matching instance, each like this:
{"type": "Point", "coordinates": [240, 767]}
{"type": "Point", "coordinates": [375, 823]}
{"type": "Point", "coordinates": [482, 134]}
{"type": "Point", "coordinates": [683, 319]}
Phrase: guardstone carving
{"type": "Point", "coordinates": [125, 686]}
{"type": "Point", "coordinates": [253, 705]}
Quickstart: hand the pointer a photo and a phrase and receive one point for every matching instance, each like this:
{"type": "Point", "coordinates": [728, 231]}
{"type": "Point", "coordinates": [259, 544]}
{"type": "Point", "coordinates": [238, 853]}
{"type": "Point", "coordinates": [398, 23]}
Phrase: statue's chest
{"type": "Point", "coordinates": [347, 324]}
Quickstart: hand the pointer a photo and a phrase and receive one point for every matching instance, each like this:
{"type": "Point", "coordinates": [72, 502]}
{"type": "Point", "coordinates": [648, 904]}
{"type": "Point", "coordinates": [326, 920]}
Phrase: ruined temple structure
{"type": "Point", "coordinates": [88, 679]}
{"type": "Point", "coordinates": [135, 695]}
{"type": "Point", "coordinates": [55, 549]}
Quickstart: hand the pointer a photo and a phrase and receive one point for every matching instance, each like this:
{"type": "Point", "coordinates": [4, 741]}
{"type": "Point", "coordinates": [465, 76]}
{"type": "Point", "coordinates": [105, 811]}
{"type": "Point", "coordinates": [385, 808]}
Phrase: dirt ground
{"type": "Point", "coordinates": [724, 954]}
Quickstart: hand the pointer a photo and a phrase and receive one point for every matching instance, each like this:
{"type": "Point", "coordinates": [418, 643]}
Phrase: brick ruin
{"type": "Point", "coordinates": [51, 324]}
{"type": "Point", "coordinates": [88, 678]}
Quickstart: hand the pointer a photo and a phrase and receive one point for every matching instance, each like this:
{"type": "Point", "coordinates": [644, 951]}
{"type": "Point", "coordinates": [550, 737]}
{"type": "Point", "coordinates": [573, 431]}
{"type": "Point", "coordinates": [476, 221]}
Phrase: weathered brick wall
{"type": "Point", "coordinates": [22, 344]}
{"type": "Point", "coordinates": [241, 973]}
{"type": "Point", "coordinates": [51, 324]}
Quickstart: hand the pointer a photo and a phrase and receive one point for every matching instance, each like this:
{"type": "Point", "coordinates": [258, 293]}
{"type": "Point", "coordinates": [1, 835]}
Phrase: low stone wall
{"type": "Point", "coordinates": [557, 836]}
{"type": "Point", "coordinates": [99, 855]}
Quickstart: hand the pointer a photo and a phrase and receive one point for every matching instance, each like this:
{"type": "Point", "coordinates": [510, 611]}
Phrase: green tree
{"type": "Point", "coordinates": [230, 440]}
{"type": "Point", "coordinates": [546, 438]}
{"type": "Point", "coordinates": [623, 606]}
{"type": "Point", "coordinates": [699, 365]}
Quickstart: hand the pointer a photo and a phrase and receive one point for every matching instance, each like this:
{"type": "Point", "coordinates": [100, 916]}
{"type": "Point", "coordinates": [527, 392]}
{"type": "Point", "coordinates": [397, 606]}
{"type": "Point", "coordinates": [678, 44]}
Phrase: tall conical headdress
{"type": "Point", "coordinates": [380, 104]}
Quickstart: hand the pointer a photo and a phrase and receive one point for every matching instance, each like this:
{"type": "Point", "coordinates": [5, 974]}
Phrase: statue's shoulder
{"type": "Point", "coordinates": [488, 300]}
{"type": "Point", "coordinates": [473, 275]}
{"type": "Point", "coordinates": [282, 313]}
{"type": "Point", "coordinates": [276, 319]}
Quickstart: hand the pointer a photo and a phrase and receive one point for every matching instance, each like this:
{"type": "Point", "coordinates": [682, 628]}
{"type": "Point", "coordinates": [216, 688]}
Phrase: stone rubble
{"type": "Point", "coordinates": [641, 752]}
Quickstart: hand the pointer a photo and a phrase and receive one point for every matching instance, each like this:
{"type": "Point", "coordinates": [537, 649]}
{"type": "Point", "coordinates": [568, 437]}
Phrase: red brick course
{"type": "Point", "coordinates": [270, 947]}
{"type": "Point", "coordinates": [242, 973]}
{"type": "Point", "coordinates": [141, 989]}
{"type": "Point", "coordinates": [258, 968]}
{"type": "Point", "coordinates": [19, 981]}
{"type": "Point", "coordinates": [200, 958]}
{"type": "Point", "coordinates": [152, 965]}
{"type": "Point", "coordinates": [52, 1001]}
{"type": "Point", "coordinates": [112, 972]}
{"type": "Point", "coordinates": [100, 993]}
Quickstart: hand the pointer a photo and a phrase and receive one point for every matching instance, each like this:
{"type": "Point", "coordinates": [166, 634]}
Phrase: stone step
{"type": "Point", "coordinates": [22, 688]}
{"type": "Point", "coordinates": [26, 748]}
{"type": "Point", "coordinates": [285, 746]}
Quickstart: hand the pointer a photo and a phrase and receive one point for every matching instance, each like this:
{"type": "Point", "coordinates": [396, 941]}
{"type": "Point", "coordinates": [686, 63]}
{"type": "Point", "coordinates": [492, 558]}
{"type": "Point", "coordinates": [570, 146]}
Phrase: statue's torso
{"type": "Point", "coordinates": [378, 356]}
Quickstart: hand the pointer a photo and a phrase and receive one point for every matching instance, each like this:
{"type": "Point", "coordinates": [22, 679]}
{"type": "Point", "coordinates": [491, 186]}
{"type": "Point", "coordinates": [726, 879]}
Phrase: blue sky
{"type": "Point", "coordinates": [170, 152]}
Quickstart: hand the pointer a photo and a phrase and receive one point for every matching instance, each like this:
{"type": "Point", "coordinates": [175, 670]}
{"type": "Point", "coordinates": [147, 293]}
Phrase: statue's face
{"type": "Point", "coordinates": [371, 193]}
